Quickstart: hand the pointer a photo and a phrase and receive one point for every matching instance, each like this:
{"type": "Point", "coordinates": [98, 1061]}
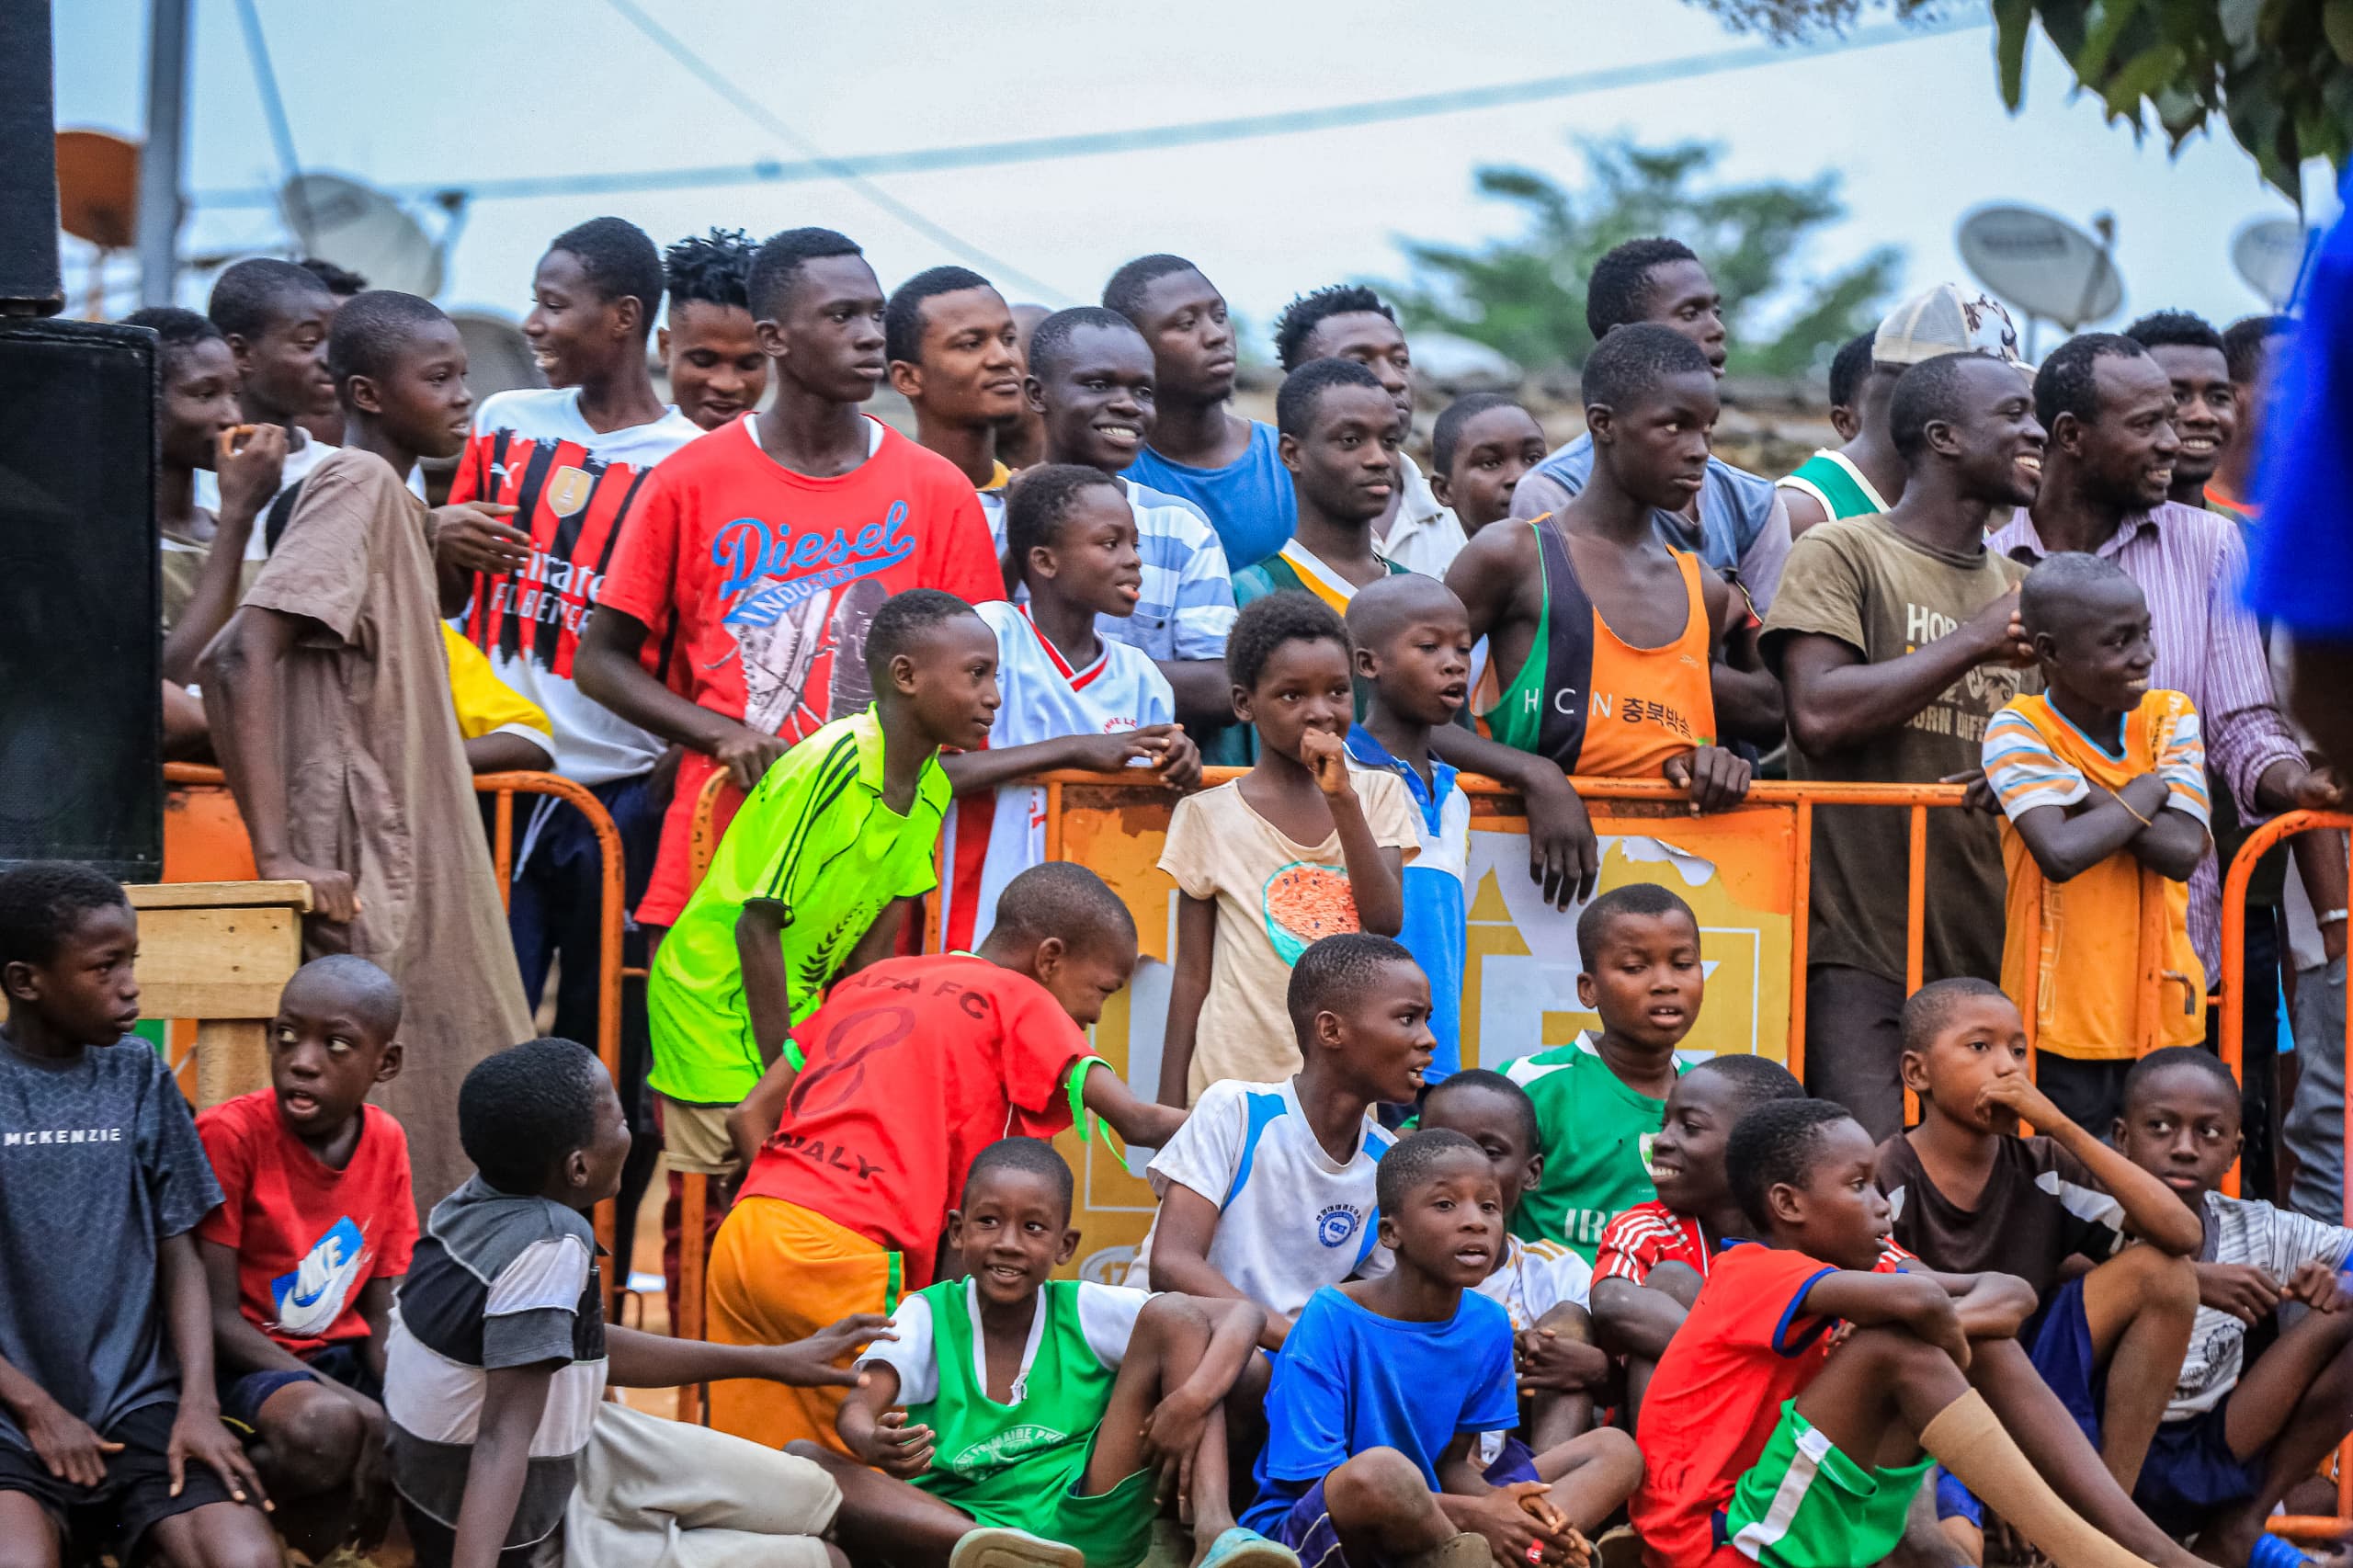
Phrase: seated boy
{"type": "Point", "coordinates": [1970, 1196]}
{"type": "Point", "coordinates": [815, 875]}
{"type": "Point", "coordinates": [859, 1139]}
{"type": "Point", "coordinates": [1655, 1256]}
{"type": "Point", "coordinates": [303, 1256]}
{"type": "Point", "coordinates": [1600, 1099]}
{"type": "Point", "coordinates": [498, 1354]}
{"type": "Point", "coordinates": [109, 1424]}
{"type": "Point", "coordinates": [1542, 1285]}
{"type": "Point", "coordinates": [2099, 776]}
{"type": "Point", "coordinates": [1412, 644]}
{"type": "Point", "coordinates": [1019, 1419]}
{"type": "Point", "coordinates": [1384, 1388]}
{"type": "Point", "coordinates": [1788, 1420]}
{"type": "Point", "coordinates": [2238, 1431]}
{"type": "Point", "coordinates": [1266, 1192]}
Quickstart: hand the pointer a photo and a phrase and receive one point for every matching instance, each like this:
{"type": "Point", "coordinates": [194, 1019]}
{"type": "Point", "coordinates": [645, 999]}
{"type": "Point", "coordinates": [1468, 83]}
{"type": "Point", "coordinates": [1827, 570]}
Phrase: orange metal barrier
{"type": "Point", "coordinates": [504, 787]}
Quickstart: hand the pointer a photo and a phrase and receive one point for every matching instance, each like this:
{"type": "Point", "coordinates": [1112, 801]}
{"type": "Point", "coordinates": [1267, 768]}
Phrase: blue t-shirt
{"type": "Point", "coordinates": [1350, 1380]}
{"type": "Point", "coordinates": [1248, 502]}
{"type": "Point", "coordinates": [1437, 929]}
{"type": "Point", "coordinates": [2304, 542]}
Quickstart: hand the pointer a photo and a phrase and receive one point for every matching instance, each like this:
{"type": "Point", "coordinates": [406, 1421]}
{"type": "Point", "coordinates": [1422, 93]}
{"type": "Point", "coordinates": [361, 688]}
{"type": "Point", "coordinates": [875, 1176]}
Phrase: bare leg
{"type": "Point", "coordinates": [219, 1535]}
{"type": "Point", "coordinates": [2297, 1402]}
{"type": "Point", "coordinates": [884, 1519]}
{"type": "Point", "coordinates": [1382, 1509]}
{"type": "Point", "coordinates": [1170, 1335]}
{"type": "Point", "coordinates": [1555, 1418]}
{"type": "Point", "coordinates": [311, 1438]}
{"type": "Point", "coordinates": [2141, 1305]}
{"type": "Point", "coordinates": [28, 1538]}
{"type": "Point", "coordinates": [1590, 1475]}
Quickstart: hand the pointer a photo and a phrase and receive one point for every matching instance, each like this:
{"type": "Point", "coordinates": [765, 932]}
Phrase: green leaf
{"type": "Point", "coordinates": [2140, 77]}
{"type": "Point", "coordinates": [2099, 43]}
{"type": "Point", "coordinates": [2337, 23]}
{"type": "Point", "coordinates": [2013, 22]}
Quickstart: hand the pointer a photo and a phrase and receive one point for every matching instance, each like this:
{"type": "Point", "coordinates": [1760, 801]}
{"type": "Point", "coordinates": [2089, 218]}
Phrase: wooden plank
{"type": "Point", "coordinates": [217, 963]}
{"type": "Point", "coordinates": [232, 1059]}
{"type": "Point", "coordinates": [219, 895]}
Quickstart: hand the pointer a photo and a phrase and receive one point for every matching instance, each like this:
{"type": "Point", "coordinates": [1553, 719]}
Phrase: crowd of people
{"type": "Point", "coordinates": [1394, 1307]}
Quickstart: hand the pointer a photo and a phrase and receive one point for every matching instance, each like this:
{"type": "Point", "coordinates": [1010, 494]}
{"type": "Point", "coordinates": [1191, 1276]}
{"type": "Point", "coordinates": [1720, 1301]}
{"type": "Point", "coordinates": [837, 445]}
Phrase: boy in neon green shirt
{"type": "Point", "coordinates": [812, 879]}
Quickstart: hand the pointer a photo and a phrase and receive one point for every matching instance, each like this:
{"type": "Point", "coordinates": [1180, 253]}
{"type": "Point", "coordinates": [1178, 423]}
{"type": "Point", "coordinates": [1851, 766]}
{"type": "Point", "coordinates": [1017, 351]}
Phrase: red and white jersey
{"type": "Point", "coordinates": [571, 487]}
{"type": "Point", "coordinates": [985, 845]}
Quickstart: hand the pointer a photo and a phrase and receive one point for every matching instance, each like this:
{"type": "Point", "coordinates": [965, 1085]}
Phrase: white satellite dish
{"type": "Point", "coordinates": [2270, 255]}
{"type": "Point", "coordinates": [498, 357]}
{"type": "Point", "coordinates": [2048, 267]}
{"type": "Point", "coordinates": [359, 227]}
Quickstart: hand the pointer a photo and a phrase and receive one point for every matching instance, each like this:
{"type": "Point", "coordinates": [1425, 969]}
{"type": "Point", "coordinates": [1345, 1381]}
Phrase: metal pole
{"type": "Point", "coordinates": [161, 159]}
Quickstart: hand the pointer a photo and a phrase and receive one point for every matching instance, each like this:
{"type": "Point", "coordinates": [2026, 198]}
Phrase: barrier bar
{"type": "Point", "coordinates": [1801, 918]}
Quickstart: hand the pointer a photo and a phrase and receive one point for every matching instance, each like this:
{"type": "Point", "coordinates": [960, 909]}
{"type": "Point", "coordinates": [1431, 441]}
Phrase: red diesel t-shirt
{"type": "Point", "coordinates": [758, 584]}
{"type": "Point", "coordinates": [913, 1066]}
{"type": "Point", "coordinates": [1718, 1392]}
{"type": "Point", "coordinates": [307, 1236]}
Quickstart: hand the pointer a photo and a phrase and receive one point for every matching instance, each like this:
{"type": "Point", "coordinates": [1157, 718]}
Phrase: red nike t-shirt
{"type": "Point", "coordinates": [756, 583]}
{"type": "Point", "coordinates": [1718, 1392]}
{"type": "Point", "coordinates": [913, 1066]}
{"type": "Point", "coordinates": [307, 1236]}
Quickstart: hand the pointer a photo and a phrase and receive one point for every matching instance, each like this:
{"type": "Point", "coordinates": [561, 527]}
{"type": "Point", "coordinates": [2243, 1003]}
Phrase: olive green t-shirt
{"type": "Point", "coordinates": [815, 840]}
{"type": "Point", "coordinates": [1858, 580]}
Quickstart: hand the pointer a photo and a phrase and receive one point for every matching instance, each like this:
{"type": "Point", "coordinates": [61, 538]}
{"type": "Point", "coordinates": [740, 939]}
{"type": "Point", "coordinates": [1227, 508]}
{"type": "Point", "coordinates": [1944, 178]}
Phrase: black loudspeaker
{"type": "Point", "coordinates": [29, 282]}
{"type": "Point", "coordinates": [81, 656]}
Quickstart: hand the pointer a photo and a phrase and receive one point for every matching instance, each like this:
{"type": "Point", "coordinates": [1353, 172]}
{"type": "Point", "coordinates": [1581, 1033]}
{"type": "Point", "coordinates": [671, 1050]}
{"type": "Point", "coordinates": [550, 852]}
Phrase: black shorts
{"type": "Point", "coordinates": [136, 1494]}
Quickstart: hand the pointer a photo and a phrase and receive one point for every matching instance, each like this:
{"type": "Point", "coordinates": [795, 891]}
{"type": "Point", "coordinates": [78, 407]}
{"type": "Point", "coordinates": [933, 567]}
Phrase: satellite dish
{"type": "Point", "coordinates": [97, 188]}
{"type": "Point", "coordinates": [498, 357]}
{"type": "Point", "coordinates": [2268, 254]}
{"type": "Point", "coordinates": [2043, 263]}
{"type": "Point", "coordinates": [359, 227]}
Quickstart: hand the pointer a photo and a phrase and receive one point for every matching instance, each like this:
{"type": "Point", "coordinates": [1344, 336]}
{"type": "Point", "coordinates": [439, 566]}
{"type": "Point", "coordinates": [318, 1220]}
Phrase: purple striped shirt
{"type": "Point", "coordinates": [2191, 566]}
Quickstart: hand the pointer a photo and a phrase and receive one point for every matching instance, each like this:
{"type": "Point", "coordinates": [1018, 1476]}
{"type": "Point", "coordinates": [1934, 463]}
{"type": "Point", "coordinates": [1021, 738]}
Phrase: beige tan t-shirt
{"type": "Point", "coordinates": [1881, 593]}
{"type": "Point", "coordinates": [1273, 896]}
{"type": "Point", "coordinates": [377, 785]}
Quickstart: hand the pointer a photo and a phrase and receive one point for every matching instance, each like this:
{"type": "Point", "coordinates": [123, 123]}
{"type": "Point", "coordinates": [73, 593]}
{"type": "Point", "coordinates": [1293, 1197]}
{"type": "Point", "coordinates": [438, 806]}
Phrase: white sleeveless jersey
{"type": "Point", "coordinates": [985, 844]}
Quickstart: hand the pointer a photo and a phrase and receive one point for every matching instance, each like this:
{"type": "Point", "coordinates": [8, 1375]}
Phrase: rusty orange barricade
{"type": "Point", "coordinates": [504, 787]}
{"type": "Point", "coordinates": [2302, 1527]}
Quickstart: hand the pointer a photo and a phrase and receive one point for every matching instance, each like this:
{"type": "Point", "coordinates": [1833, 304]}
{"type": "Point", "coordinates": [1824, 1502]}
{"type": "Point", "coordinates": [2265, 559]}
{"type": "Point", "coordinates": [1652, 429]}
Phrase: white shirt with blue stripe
{"type": "Point", "coordinates": [1184, 607]}
{"type": "Point", "coordinates": [1291, 1220]}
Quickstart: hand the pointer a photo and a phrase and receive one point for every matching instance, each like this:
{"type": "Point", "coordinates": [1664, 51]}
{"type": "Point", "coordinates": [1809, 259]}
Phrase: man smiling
{"type": "Point", "coordinates": [2205, 402]}
{"type": "Point", "coordinates": [956, 357]}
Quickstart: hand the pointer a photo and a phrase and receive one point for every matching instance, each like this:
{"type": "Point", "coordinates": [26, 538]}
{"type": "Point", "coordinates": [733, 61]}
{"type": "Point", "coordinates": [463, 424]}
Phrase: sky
{"type": "Point", "coordinates": [466, 89]}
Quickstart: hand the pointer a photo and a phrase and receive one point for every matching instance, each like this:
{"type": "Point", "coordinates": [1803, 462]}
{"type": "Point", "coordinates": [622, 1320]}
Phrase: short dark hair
{"type": "Point", "coordinates": [527, 1108]}
{"type": "Point", "coordinates": [2165, 1059]}
{"type": "Point", "coordinates": [43, 901]}
{"type": "Point", "coordinates": [1930, 392]}
{"type": "Point", "coordinates": [1267, 624]}
{"type": "Point", "coordinates": [774, 266]}
{"type": "Point", "coordinates": [370, 331]}
{"type": "Point", "coordinates": [1124, 290]}
{"type": "Point", "coordinates": [1304, 314]}
{"type": "Point", "coordinates": [177, 331]}
{"type": "Point", "coordinates": [1035, 506]}
{"type": "Point", "coordinates": [1617, 292]}
{"type": "Point", "coordinates": [2245, 341]}
{"type": "Point", "coordinates": [714, 268]}
{"type": "Point", "coordinates": [2054, 588]}
{"type": "Point", "coordinates": [1650, 901]}
{"type": "Point", "coordinates": [1065, 899]}
{"type": "Point", "coordinates": [2175, 329]}
{"type": "Point", "coordinates": [371, 992]}
{"type": "Point", "coordinates": [1629, 364]}
{"type": "Point", "coordinates": [1776, 1144]}
{"type": "Point", "coordinates": [2065, 383]}
{"type": "Point", "coordinates": [247, 297]}
{"type": "Point", "coordinates": [1850, 369]}
{"type": "Point", "coordinates": [1031, 1156]}
{"type": "Point", "coordinates": [1049, 339]}
{"type": "Point", "coordinates": [1333, 969]}
{"type": "Point", "coordinates": [1306, 387]}
{"type": "Point", "coordinates": [1485, 1080]}
{"type": "Point", "coordinates": [903, 316]}
{"type": "Point", "coordinates": [1755, 1080]}
{"type": "Point", "coordinates": [341, 281]}
{"type": "Point", "coordinates": [1448, 432]}
{"type": "Point", "coordinates": [1926, 1010]}
{"type": "Point", "coordinates": [906, 619]}
{"type": "Point", "coordinates": [1407, 1163]}
{"type": "Point", "coordinates": [619, 260]}
{"type": "Point", "coordinates": [1388, 605]}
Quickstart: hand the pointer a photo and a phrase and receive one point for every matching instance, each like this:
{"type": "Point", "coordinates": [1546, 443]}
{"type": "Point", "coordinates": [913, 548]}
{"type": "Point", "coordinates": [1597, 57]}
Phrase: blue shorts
{"type": "Point", "coordinates": [242, 1395]}
{"type": "Point", "coordinates": [2190, 1473]}
{"type": "Point", "coordinates": [1307, 1527]}
{"type": "Point", "coordinates": [2062, 1354]}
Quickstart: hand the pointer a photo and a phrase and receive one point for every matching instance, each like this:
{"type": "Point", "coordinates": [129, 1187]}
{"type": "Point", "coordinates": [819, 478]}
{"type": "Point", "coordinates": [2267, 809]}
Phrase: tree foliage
{"type": "Point", "coordinates": [2278, 72]}
{"type": "Point", "coordinates": [1525, 296]}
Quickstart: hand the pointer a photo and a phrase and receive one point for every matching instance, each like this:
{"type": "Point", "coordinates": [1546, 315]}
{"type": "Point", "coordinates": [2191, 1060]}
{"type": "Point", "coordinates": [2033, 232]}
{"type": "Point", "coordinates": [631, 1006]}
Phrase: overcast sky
{"type": "Point", "coordinates": [453, 90]}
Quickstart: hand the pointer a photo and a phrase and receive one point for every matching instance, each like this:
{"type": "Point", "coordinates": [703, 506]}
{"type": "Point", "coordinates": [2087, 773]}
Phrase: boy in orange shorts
{"type": "Point", "coordinates": [859, 1137]}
